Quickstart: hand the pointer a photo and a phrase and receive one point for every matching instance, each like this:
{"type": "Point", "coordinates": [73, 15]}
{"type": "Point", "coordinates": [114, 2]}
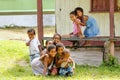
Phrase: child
{"type": "Point", "coordinates": [66, 60]}
{"type": "Point", "coordinates": [77, 32]}
{"type": "Point", "coordinates": [48, 42]}
{"type": "Point", "coordinates": [56, 38]}
{"type": "Point", "coordinates": [56, 66]}
{"type": "Point", "coordinates": [43, 64]}
{"type": "Point", "coordinates": [34, 45]}
{"type": "Point", "coordinates": [59, 49]}
{"type": "Point", "coordinates": [92, 28]}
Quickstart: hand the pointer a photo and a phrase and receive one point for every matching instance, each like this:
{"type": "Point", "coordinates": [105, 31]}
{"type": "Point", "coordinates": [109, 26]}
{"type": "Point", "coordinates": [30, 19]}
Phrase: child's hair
{"type": "Point", "coordinates": [31, 30]}
{"type": "Point", "coordinates": [56, 34]}
{"type": "Point", "coordinates": [79, 9]}
{"type": "Point", "coordinates": [50, 47]}
{"type": "Point", "coordinates": [58, 45]}
{"type": "Point", "coordinates": [73, 13]}
{"type": "Point", "coordinates": [48, 41]}
{"type": "Point", "coordinates": [66, 52]}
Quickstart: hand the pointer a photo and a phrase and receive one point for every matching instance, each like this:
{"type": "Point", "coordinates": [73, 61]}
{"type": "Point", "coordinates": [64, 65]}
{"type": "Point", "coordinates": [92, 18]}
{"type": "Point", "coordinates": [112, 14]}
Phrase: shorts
{"type": "Point", "coordinates": [33, 56]}
{"type": "Point", "coordinates": [66, 71]}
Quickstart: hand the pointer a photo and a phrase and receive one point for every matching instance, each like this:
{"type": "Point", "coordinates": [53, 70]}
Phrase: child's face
{"type": "Point", "coordinates": [73, 17]}
{"type": "Point", "coordinates": [57, 39]}
{"type": "Point", "coordinates": [49, 43]}
{"type": "Point", "coordinates": [31, 35]}
{"type": "Point", "coordinates": [79, 13]}
{"type": "Point", "coordinates": [67, 55]}
{"type": "Point", "coordinates": [60, 50]}
{"type": "Point", "coordinates": [52, 52]}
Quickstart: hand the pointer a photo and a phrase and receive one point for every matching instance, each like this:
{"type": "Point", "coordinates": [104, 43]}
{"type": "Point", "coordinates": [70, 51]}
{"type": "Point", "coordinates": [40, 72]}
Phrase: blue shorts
{"type": "Point", "coordinates": [66, 71]}
{"type": "Point", "coordinates": [33, 56]}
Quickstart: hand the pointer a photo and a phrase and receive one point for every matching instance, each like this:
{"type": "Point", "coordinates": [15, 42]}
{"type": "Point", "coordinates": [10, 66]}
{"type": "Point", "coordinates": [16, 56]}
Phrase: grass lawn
{"type": "Point", "coordinates": [14, 65]}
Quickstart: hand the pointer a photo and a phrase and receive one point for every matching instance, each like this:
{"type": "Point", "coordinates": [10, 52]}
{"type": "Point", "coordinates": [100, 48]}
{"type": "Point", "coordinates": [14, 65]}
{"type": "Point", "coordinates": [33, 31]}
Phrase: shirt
{"type": "Point", "coordinates": [92, 28]}
{"type": "Point", "coordinates": [33, 47]}
{"type": "Point", "coordinates": [75, 28]}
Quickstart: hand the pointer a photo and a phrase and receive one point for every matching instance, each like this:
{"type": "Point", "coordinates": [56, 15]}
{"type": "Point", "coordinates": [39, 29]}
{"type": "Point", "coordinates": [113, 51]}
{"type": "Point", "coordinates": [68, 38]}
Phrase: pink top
{"type": "Point", "coordinates": [75, 28]}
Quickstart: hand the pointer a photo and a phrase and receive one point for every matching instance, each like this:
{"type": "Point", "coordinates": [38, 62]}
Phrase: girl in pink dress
{"type": "Point", "coordinates": [77, 32]}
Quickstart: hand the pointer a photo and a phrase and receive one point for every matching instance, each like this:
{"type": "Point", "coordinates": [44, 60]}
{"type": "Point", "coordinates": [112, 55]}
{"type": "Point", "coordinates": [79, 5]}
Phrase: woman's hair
{"type": "Point", "coordinates": [56, 34]}
{"type": "Point", "coordinates": [79, 9]}
{"type": "Point", "coordinates": [58, 45]}
{"type": "Point", "coordinates": [73, 13]}
{"type": "Point", "coordinates": [50, 47]}
{"type": "Point", "coordinates": [31, 30]}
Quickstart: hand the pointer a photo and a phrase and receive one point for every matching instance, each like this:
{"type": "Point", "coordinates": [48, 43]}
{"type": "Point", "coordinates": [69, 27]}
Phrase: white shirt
{"type": "Point", "coordinates": [33, 47]}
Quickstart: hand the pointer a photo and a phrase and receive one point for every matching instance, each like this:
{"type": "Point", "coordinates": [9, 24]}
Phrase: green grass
{"type": "Point", "coordinates": [14, 65]}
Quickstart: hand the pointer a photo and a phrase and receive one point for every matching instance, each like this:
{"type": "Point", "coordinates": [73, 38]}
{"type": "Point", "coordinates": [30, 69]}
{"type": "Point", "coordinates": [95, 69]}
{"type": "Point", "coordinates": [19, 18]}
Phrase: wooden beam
{"type": "Point", "coordinates": [112, 28]}
{"type": "Point", "coordinates": [40, 19]}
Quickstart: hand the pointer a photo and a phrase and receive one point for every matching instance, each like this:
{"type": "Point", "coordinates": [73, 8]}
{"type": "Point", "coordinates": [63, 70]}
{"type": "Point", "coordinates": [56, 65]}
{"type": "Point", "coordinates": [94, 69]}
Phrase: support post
{"type": "Point", "coordinates": [40, 20]}
{"type": "Point", "coordinates": [112, 28]}
{"type": "Point", "coordinates": [109, 47]}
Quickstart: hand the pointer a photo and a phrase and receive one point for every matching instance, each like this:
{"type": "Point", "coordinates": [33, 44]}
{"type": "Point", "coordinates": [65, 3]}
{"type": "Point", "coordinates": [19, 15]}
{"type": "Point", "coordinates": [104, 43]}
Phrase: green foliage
{"type": "Point", "coordinates": [112, 61]}
{"type": "Point", "coordinates": [14, 65]}
{"type": "Point", "coordinates": [13, 26]}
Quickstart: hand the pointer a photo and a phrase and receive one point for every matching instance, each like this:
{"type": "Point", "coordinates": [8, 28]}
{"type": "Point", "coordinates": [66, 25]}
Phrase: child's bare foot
{"type": "Point", "coordinates": [81, 36]}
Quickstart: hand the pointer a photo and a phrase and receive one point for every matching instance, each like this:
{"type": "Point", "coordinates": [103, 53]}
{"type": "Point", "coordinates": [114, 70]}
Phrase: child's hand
{"type": "Point", "coordinates": [64, 60]}
{"type": "Point", "coordinates": [28, 43]}
{"type": "Point", "coordinates": [73, 68]}
{"type": "Point", "coordinates": [69, 61]}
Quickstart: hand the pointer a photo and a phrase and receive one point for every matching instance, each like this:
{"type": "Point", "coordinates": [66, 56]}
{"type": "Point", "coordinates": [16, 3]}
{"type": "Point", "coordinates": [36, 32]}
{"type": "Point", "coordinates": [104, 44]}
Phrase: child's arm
{"type": "Point", "coordinates": [40, 49]}
{"type": "Point", "coordinates": [28, 43]}
{"type": "Point", "coordinates": [61, 61]}
{"type": "Point", "coordinates": [43, 56]}
{"type": "Point", "coordinates": [43, 52]}
{"type": "Point", "coordinates": [45, 62]}
{"type": "Point", "coordinates": [80, 23]}
{"type": "Point", "coordinates": [72, 61]}
{"type": "Point", "coordinates": [39, 46]}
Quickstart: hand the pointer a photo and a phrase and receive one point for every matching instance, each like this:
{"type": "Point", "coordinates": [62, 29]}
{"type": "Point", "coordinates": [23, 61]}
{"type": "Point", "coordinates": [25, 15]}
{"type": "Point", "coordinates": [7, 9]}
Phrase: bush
{"type": "Point", "coordinates": [111, 61]}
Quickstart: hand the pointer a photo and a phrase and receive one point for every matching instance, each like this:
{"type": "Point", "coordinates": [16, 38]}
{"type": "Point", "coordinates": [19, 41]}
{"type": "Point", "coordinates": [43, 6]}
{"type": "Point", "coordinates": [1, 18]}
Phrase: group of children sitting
{"type": "Point", "coordinates": [53, 60]}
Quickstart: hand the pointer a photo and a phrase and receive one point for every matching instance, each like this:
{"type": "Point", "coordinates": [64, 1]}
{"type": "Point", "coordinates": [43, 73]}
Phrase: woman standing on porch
{"type": "Point", "coordinates": [92, 28]}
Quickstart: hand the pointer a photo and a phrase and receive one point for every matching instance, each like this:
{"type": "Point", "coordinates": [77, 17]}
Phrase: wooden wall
{"type": "Point", "coordinates": [64, 25]}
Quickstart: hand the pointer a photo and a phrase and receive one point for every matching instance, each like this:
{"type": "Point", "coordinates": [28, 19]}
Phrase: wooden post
{"type": "Point", "coordinates": [112, 28]}
{"type": "Point", "coordinates": [40, 20]}
{"type": "Point", "coordinates": [109, 45]}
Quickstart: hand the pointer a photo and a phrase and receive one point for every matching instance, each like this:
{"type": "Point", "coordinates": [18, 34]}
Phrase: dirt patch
{"type": "Point", "coordinates": [21, 33]}
{"type": "Point", "coordinates": [22, 63]}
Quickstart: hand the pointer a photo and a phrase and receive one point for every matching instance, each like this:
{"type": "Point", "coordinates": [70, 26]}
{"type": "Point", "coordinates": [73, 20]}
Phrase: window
{"type": "Point", "coordinates": [102, 5]}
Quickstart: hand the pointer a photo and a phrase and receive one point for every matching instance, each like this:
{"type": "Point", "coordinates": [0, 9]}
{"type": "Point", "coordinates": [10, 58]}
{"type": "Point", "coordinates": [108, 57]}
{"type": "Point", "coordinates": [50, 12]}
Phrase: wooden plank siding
{"type": "Point", "coordinates": [64, 25]}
